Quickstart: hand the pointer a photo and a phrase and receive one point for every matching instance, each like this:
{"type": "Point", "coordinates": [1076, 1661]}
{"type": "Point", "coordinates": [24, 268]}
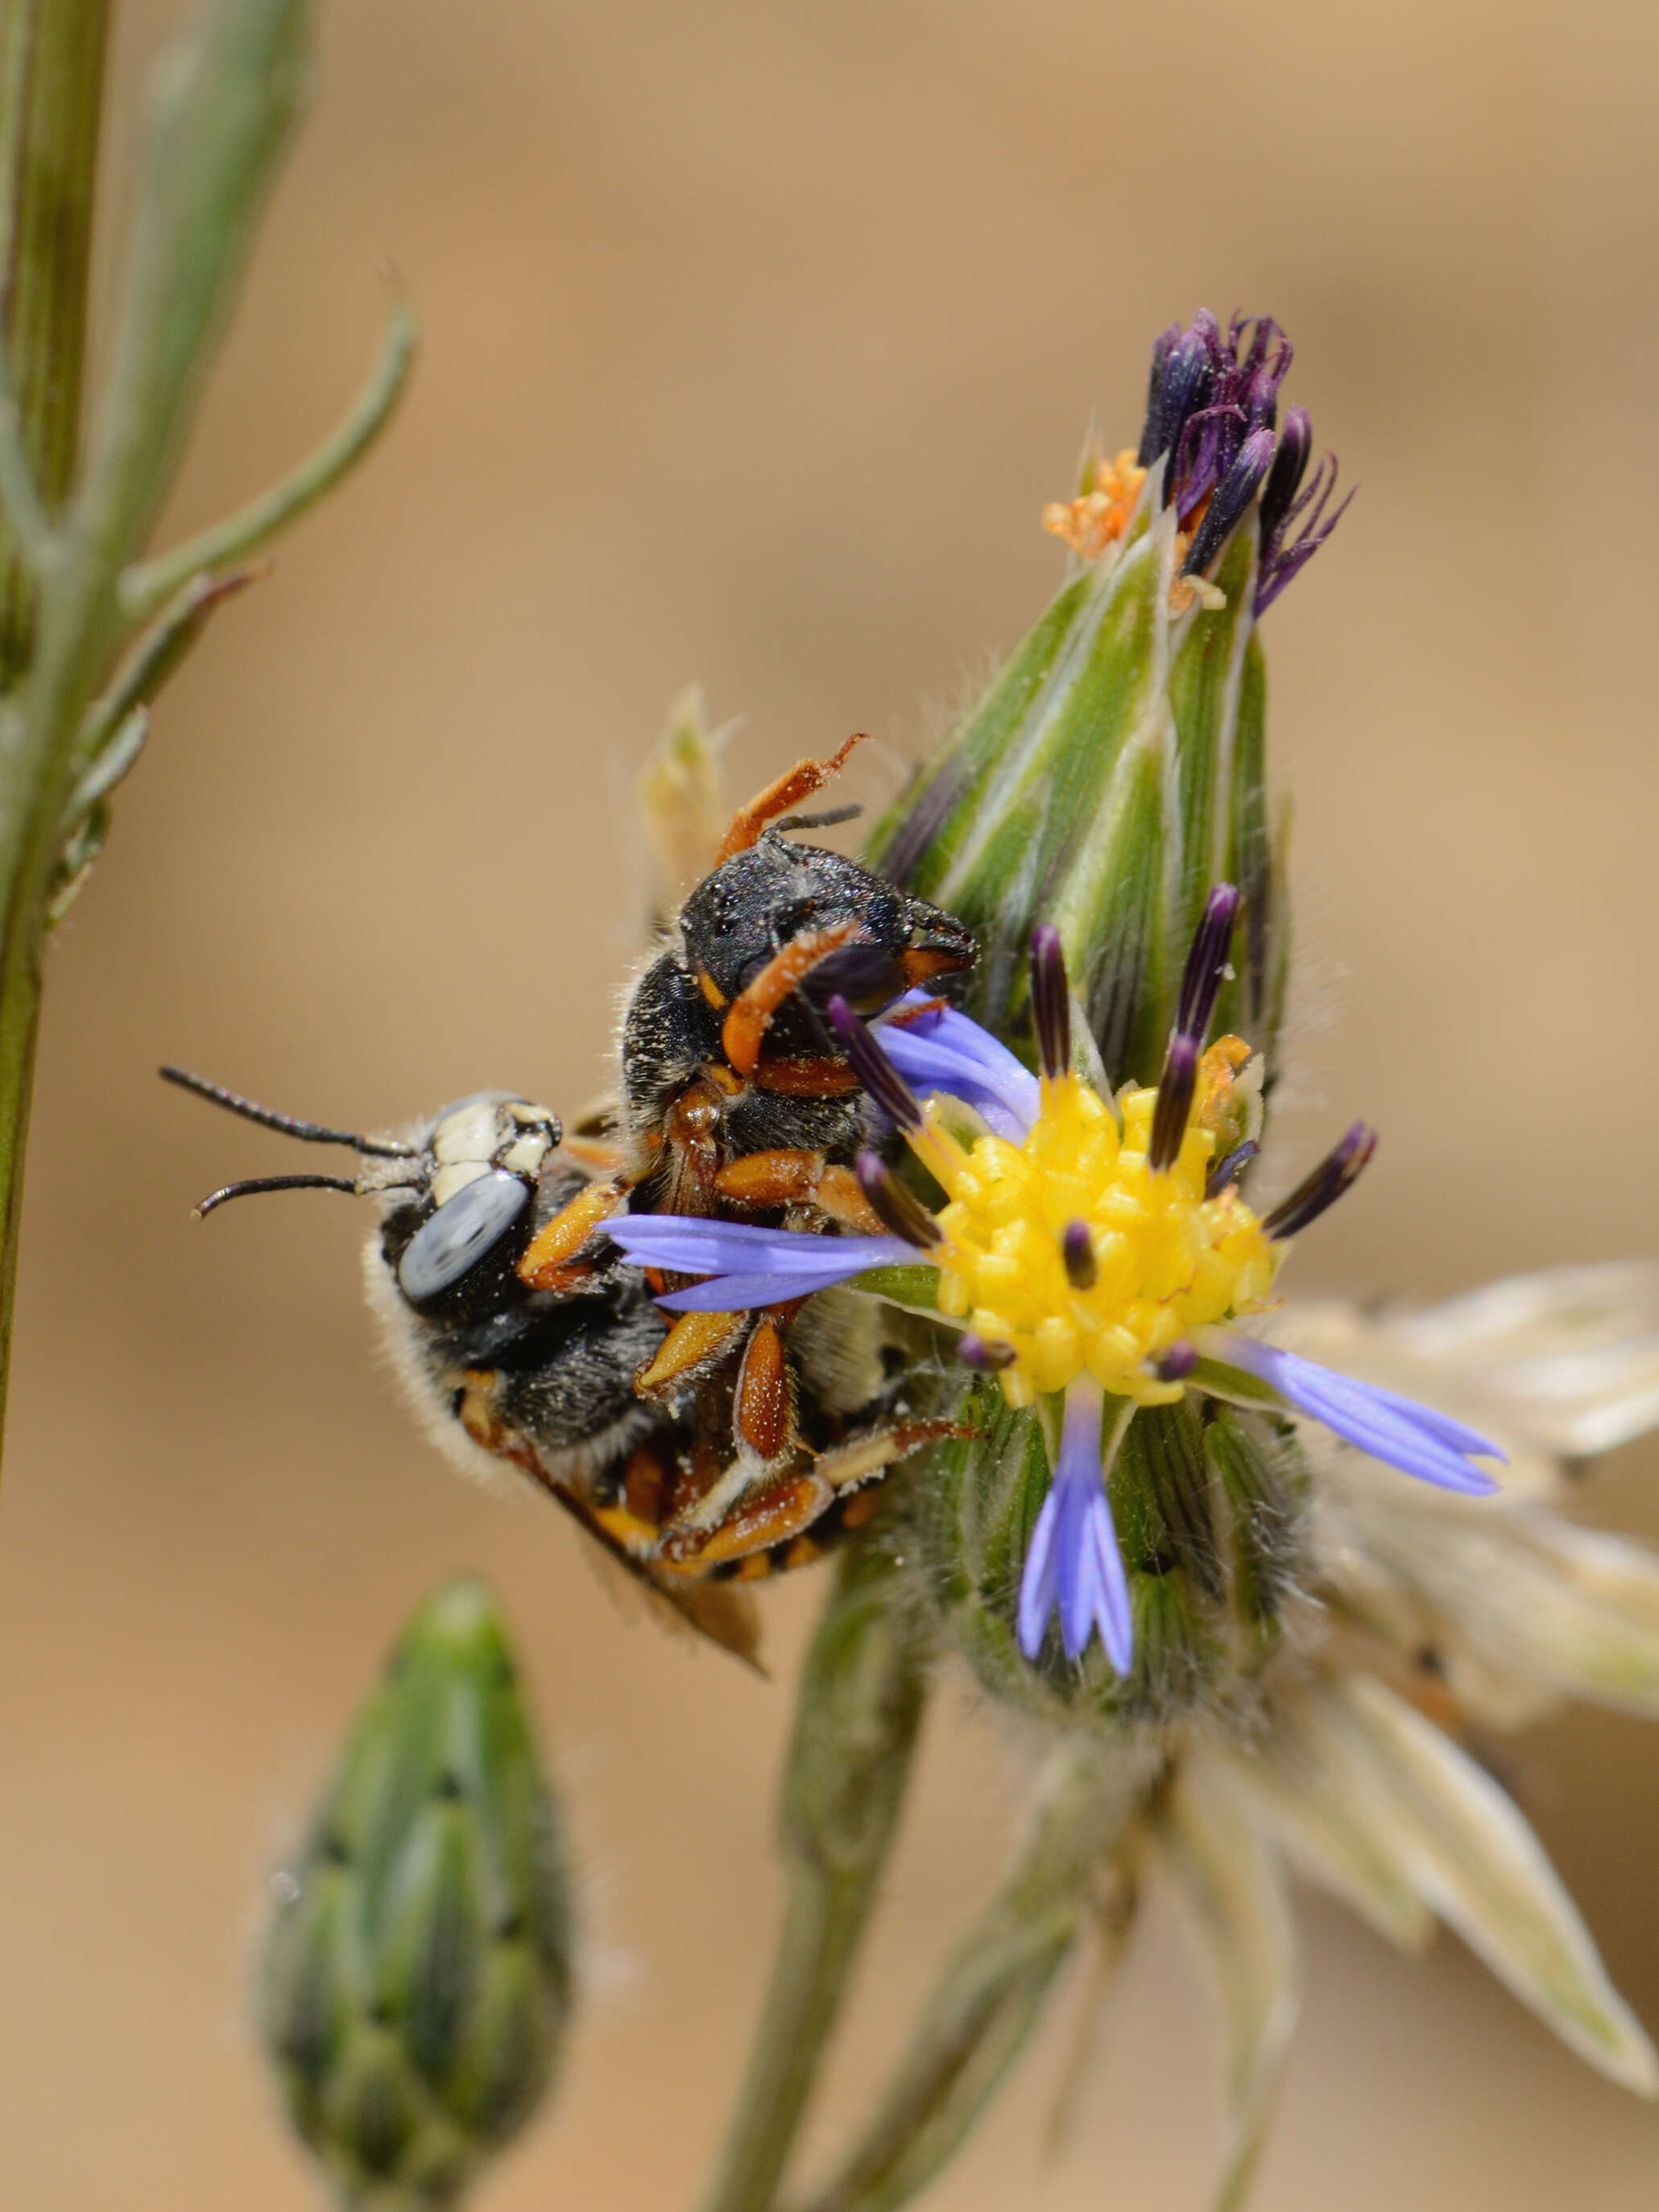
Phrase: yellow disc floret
{"type": "Point", "coordinates": [1164, 1259]}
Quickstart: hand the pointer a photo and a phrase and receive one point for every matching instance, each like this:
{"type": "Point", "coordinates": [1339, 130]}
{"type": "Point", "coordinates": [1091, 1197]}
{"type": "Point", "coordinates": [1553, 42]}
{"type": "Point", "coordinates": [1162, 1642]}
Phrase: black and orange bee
{"type": "Point", "coordinates": [724, 1447]}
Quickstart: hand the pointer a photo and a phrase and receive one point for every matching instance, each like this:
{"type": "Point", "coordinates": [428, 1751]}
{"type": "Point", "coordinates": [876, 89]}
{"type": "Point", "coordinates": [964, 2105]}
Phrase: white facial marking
{"type": "Point", "coordinates": [455, 1177]}
{"type": "Point", "coordinates": [469, 1133]}
{"type": "Point", "coordinates": [525, 1156]}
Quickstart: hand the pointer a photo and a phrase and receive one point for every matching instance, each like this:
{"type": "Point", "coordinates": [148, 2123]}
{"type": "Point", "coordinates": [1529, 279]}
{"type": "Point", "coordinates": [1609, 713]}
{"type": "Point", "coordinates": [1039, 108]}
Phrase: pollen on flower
{"type": "Point", "coordinates": [1099, 515]}
{"type": "Point", "coordinates": [1166, 1258]}
{"type": "Point", "coordinates": [1185, 589]}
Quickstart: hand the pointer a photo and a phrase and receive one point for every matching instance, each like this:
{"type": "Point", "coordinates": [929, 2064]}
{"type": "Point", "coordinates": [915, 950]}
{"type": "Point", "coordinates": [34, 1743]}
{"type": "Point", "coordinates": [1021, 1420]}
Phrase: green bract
{"type": "Point", "coordinates": [1210, 1510]}
{"type": "Point", "coordinates": [417, 1978]}
{"type": "Point", "coordinates": [1112, 773]}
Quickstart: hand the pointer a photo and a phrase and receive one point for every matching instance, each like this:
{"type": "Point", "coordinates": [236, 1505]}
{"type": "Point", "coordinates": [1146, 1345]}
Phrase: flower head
{"type": "Point", "coordinates": [1093, 1251]}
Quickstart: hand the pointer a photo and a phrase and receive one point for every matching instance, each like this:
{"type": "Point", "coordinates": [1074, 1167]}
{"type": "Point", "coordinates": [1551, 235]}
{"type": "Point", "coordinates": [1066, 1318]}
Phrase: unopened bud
{"type": "Point", "coordinates": [417, 1976]}
{"type": "Point", "coordinates": [1116, 768]}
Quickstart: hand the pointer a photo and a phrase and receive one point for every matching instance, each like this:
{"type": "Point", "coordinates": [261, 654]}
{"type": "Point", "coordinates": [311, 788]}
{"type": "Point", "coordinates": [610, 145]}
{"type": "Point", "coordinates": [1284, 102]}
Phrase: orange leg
{"type": "Point", "coordinates": [840, 1197]}
{"type": "Point", "coordinates": [797, 1178]}
{"type": "Point", "coordinates": [861, 1457]}
{"type": "Point", "coordinates": [923, 963]}
{"type": "Point", "coordinates": [797, 1075]}
{"type": "Point", "coordinates": [550, 1263]}
{"type": "Point", "coordinates": [593, 1152]}
{"type": "Point", "coordinates": [691, 1137]}
{"type": "Point", "coordinates": [797, 783]}
{"type": "Point", "coordinates": [783, 1509]}
{"type": "Point", "coordinates": [743, 1030]}
{"type": "Point", "coordinates": [764, 1415]}
{"type": "Point", "coordinates": [696, 1344]}
{"type": "Point", "coordinates": [787, 1509]}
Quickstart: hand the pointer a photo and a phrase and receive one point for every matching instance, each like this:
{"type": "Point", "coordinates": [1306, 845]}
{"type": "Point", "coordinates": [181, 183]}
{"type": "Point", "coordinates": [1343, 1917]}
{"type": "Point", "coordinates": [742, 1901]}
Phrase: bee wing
{"type": "Point", "coordinates": [722, 1612]}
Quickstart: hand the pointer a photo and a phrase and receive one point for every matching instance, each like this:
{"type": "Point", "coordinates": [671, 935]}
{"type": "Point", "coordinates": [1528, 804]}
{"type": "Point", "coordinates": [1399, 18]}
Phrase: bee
{"type": "Point", "coordinates": [706, 1454]}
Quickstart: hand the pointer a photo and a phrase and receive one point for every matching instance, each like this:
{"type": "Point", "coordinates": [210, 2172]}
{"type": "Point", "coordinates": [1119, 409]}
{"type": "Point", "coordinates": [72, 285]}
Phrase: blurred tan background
{"type": "Point", "coordinates": [756, 336]}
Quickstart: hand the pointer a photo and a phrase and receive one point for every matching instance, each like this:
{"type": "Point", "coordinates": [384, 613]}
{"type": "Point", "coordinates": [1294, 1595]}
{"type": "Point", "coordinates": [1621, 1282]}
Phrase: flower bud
{"type": "Point", "coordinates": [1116, 768]}
{"type": "Point", "coordinates": [416, 1978]}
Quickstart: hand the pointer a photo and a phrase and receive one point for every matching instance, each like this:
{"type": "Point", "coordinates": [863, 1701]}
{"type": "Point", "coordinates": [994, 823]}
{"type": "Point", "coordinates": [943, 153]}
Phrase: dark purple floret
{"type": "Point", "coordinates": [1206, 964]}
{"type": "Point", "coordinates": [893, 1205]}
{"type": "Point", "coordinates": [1212, 409]}
{"type": "Point", "coordinates": [1284, 556]}
{"type": "Point", "coordinates": [981, 1355]}
{"type": "Point", "coordinates": [1078, 1251]}
{"type": "Point", "coordinates": [1188, 379]}
{"type": "Point", "coordinates": [1264, 367]}
{"type": "Point", "coordinates": [1175, 1087]}
{"type": "Point", "coordinates": [1248, 473]}
{"type": "Point", "coordinates": [1290, 465]}
{"type": "Point", "coordinates": [1205, 396]}
{"type": "Point", "coordinates": [1051, 1001]}
{"type": "Point", "coordinates": [880, 1079]}
{"type": "Point", "coordinates": [1203, 453]}
{"type": "Point", "coordinates": [1162, 346]}
{"type": "Point", "coordinates": [1227, 1170]}
{"type": "Point", "coordinates": [1333, 1174]}
{"type": "Point", "coordinates": [1175, 1364]}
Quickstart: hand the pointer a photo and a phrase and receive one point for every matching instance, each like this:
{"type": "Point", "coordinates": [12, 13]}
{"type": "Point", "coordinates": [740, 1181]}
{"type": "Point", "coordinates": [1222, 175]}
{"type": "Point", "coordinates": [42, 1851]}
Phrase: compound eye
{"type": "Point", "coordinates": [459, 1233]}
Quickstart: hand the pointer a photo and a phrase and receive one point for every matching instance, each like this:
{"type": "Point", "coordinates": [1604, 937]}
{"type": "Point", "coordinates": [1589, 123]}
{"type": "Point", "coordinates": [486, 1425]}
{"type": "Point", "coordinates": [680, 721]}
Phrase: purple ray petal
{"type": "Point", "coordinates": [1417, 1439]}
{"type": "Point", "coordinates": [1112, 1614]}
{"type": "Point", "coordinates": [1037, 1582]}
{"type": "Point", "coordinates": [750, 1266]}
{"type": "Point", "coordinates": [1073, 1566]}
{"type": "Point", "coordinates": [940, 1049]}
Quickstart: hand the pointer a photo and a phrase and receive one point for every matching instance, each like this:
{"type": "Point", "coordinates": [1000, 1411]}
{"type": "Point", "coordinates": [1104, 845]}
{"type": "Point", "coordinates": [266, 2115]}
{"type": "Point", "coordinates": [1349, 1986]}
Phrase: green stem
{"type": "Point", "coordinates": [222, 104]}
{"type": "Point", "coordinates": [51, 78]}
{"type": "Point", "coordinates": [20, 1023]}
{"type": "Point", "coordinates": [824, 1919]}
{"type": "Point", "coordinates": [993, 1987]}
{"type": "Point", "coordinates": [144, 588]}
{"type": "Point", "coordinates": [857, 1718]}
{"type": "Point", "coordinates": [51, 73]}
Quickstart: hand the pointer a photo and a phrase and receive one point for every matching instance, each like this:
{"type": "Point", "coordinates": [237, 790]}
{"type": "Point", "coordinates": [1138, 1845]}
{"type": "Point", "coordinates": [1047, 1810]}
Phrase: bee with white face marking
{"type": "Point", "coordinates": [499, 1370]}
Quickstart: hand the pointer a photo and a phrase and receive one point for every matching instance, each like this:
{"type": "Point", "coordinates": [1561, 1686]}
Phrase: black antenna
{"type": "Point", "coordinates": [309, 1133]}
{"type": "Point", "coordinates": [826, 820]}
{"type": "Point", "coordinates": [274, 1182]}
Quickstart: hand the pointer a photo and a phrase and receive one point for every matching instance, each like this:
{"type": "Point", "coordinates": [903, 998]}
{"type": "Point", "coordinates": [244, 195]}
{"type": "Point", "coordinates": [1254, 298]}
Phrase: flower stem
{"type": "Point", "coordinates": [857, 1718]}
{"type": "Point", "coordinates": [993, 1987]}
{"type": "Point", "coordinates": [73, 590]}
{"type": "Point", "coordinates": [51, 72]}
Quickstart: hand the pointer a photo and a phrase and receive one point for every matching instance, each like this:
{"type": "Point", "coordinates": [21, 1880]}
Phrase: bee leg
{"type": "Point", "coordinates": [748, 1538]}
{"type": "Point", "coordinates": [838, 1195]}
{"type": "Point", "coordinates": [763, 1412]}
{"type": "Point", "coordinates": [550, 1262]}
{"type": "Point", "coordinates": [795, 784]}
{"type": "Point", "coordinates": [799, 1178]}
{"type": "Point", "coordinates": [763, 1428]}
{"type": "Point", "coordinates": [604, 1158]}
{"type": "Point", "coordinates": [635, 1514]}
{"type": "Point", "coordinates": [749, 1015]}
{"type": "Point", "coordinates": [782, 1510]}
{"type": "Point", "coordinates": [696, 1344]}
{"type": "Point", "coordinates": [804, 1075]}
{"type": "Point", "coordinates": [689, 1155]}
{"type": "Point", "coordinates": [873, 1453]}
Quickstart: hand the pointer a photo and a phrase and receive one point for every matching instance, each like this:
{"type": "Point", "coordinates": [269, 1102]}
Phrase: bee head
{"type": "Point", "coordinates": [459, 1185]}
{"type": "Point", "coordinates": [740, 917]}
